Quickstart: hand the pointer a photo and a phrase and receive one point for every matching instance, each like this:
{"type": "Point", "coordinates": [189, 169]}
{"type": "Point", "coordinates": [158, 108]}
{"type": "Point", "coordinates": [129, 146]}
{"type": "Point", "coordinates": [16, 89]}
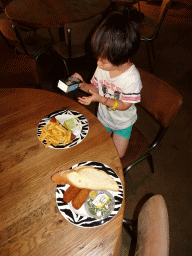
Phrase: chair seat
{"type": "Point", "coordinates": [138, 147]}
{"type": "Point", "coordinates": [76, 50]}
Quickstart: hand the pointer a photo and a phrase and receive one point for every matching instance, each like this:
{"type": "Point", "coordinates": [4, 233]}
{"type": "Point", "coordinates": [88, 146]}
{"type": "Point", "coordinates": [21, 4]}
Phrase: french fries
{"type": "Point", "coordinates": [54, 133]}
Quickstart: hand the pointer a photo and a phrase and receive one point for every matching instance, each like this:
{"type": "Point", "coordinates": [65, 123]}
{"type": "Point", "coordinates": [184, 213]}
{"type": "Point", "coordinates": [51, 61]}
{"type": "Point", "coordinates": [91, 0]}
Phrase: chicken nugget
{"type": "Point", "coordinates": [70, 193]}
{"type": "Point", "coordinates": [80, 198]}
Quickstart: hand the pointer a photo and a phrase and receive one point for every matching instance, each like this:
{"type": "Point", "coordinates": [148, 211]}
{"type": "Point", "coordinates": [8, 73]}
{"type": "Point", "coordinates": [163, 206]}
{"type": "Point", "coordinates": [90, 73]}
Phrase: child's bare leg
{"type": "Point", "coordinates": [121, 144]}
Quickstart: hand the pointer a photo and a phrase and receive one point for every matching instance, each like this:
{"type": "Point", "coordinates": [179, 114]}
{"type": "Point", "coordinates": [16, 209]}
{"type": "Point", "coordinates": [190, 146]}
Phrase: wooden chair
{"type": "Point", "coordinates": [149, 29]}
{"type": "Point", "coordinates": [33, 42]}
{"type": "Point", "coordinates": [76, 37]}
{"type": "Point", "coordinates": [23, 67]}
{"type": "Point", "coordinates": [152, 228]}
{"type": "Point", "coordinates": [127, 8]}
{"type": "Point", "coordinates": [30, 41]}
{"type": "Point", "coordinates": [160, 101]}
{"type": "Point", "coordinates": [126, 5]}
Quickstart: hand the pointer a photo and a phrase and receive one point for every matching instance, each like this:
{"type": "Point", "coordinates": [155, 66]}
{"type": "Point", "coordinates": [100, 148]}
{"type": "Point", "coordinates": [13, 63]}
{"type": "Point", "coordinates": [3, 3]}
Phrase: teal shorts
{"type": "Point", "coordinates": [125, 133]}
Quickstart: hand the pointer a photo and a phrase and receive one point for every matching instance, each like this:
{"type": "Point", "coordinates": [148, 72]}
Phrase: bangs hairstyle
{"type": "Point", "coordinates": [116, 39]}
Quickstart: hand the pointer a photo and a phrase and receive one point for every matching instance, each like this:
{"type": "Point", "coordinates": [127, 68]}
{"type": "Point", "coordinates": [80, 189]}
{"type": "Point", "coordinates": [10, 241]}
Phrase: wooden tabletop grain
{"type": "Point", "coordinates": [54, 13]}
{"type": "Point", "coordinates": [30, 222]}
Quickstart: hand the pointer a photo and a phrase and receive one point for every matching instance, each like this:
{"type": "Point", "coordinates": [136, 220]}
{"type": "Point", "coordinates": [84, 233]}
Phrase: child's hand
{"type": "Point", "coordinates": [82, 85]}
{"type": "Point", "coordinates": [77, 76]}
{"type": "Point", "coordinates": [84, 100]}
{"type": "Point", "coordinates": [87, 100]}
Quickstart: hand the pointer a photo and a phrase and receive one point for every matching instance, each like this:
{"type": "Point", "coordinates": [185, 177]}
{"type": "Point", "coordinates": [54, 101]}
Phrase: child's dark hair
{"type": "Point", "coordinates": [116, 39]}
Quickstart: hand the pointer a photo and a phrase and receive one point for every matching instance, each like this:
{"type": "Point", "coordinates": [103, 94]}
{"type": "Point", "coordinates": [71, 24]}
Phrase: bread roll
{"type": "Point", "coordinates": [86, 177]}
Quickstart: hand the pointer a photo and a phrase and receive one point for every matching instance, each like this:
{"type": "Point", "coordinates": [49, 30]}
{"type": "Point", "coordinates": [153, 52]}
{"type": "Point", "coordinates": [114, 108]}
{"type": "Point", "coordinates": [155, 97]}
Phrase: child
{"type": "Point", "coordinates": [116, 83]}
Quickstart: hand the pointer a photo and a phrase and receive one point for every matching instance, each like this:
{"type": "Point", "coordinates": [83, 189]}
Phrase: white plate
{"type": "Point", "coordinates": [79, 217]}
{"type": "Point", "coordinates": [80, 131]}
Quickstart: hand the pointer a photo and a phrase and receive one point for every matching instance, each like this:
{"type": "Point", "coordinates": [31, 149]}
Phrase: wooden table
{"type": "Point", "coordinates": [31, 223]}
{"type": "Point", "coordinates": [54, 13]}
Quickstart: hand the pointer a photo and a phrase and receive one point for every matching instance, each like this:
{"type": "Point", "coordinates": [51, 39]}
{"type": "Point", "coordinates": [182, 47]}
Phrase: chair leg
{"type": "Point", "coordinates": [51, 35]}
{"type": "Point", "coordinates": [130, 222]}
{"type": "Point", "coordinates": [150, 161]}
{"type": "Point", "coordinates": [66, 67]}
{"type": "Point", "coordinates": [149, 58]}
{"type": "Point", "coordinates": [139, 11]}
{"type": "Point", "coordinates": [152, 47]}
{"type": "Point", "coordinates": [126, 224]}
{"type": "Point", "coordinates": [125, 170]}
{"type": "Point", "coordinates": [38, 86]}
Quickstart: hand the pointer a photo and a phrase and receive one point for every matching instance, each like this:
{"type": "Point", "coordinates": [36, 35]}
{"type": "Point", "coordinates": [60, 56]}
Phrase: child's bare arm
{"type": "Point", "coordinates": [95, 97]}
{"type": "Point", "coordinates": [87, 87]}
{"type": "Point", "coordinates": [122, 106]}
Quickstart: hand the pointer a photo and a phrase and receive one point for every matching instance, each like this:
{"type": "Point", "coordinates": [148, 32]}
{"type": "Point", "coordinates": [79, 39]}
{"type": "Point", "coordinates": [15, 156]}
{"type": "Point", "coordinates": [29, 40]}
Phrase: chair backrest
{"type": "Point", "coordinates": [4, 3]}
{"type": "Point", "coordinates": [6, 27]}
{"type": "Point", "coordinates": [163, 11]}
{"type": "Point", "coordinates": [32, 40]}
{"type": "Point", "coordinates": [81, 30]}
{"type": "Point", "coordinates": [159, 99]}
{"type": "Point", "coordinates": [153, 228]}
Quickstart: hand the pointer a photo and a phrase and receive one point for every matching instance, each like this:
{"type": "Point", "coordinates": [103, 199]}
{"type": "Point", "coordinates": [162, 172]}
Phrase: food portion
{"type": "Point", "coordinates": [86, 177]}
{"type": "Point", "coordinates": [80, 198]}
{"type": "Point", "coordinates": [72, 123]}
{"type": "Point", "coordinates": [88, 187]}
{"type": "Point", "coordinates": [54, 133]}
{"type": "Point", "coordinates": [99, 204]}
{"type": "Point", "coordinates": [70, 193]}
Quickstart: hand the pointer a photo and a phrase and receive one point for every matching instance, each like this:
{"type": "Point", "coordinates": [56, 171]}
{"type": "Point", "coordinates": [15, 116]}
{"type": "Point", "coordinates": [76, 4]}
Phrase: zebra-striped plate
{"type": "Point", "coordinates": [80, 217]}
{"type": "Point", "coordinates": [80, 131]}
